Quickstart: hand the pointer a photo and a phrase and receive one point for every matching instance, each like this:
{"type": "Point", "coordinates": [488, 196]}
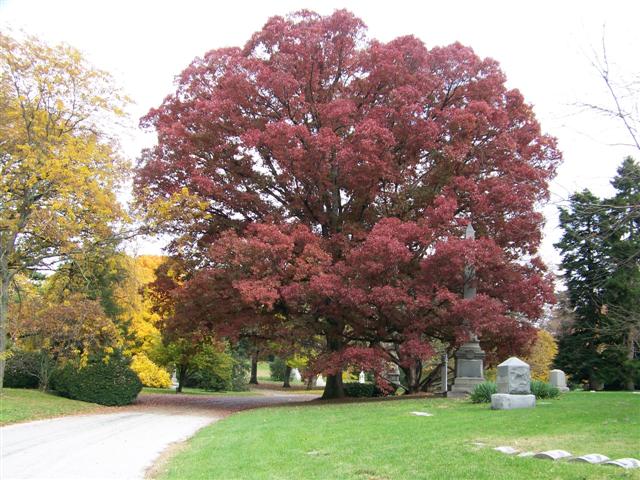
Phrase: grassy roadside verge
{"type": "Point", "coordinates": [382, 440]}
{"type": "Point", "coordinates": [20, 405]}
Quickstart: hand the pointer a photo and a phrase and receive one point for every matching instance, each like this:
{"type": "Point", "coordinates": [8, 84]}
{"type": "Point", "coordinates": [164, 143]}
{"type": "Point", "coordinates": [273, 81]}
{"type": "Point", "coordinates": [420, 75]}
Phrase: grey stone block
{"type": "Point", "coordinates": [591, 458]}
{"type": "Point", "coordinates": [624, 463]}
{"type": "Point", "coordinates": [514, 376]}
{"type": "Point", "coordinates": [558, 379]}
{"type": "Point", "coordinates": [553, 454]}
{"type": "Point", "coordinates": [505, 401]}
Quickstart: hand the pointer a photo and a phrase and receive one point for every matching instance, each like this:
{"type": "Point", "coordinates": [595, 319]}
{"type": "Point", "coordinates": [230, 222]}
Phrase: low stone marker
{"type": "Point", "coordinates": [507, 450]}
{"type": "Point", "coordinates": [553, 454]}
{"type": "Point", "coordinates": [591, 458]}
{"type": "Point", "coordinates": [422, 414]}
{"type": "Point", "coordinates": [624, 463]}
{"type": "Point", "coordinates": [558, 379]}
{"type": "Point", "coordinates": [514, 386]}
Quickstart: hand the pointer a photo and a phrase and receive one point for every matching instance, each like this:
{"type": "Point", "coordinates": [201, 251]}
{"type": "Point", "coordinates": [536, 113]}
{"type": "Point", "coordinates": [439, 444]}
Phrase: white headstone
{"type": "Point", "coordinates": [558, 379]}
{"type": "Point", "coordinates": [591, 458]}
{"type": "Point", "coordinates": [553, 454]}
{"type": "Point", "coordinates": [507, 450]}
{"type": "Point", "coordinates": [361, 378]}
{"type": "Point", "coordinates": [320, 381]}
{"type": "Point", "coordinates": [624, 463]}
{"type": "Point", "coordinates": [514, 377]}
{"type": "Point", "coordinates": [295, 373]}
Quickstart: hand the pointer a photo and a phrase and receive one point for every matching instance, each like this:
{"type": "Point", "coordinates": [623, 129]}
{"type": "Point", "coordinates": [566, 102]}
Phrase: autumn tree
{"type": "Point", "coordinates": [330, 178]}
{"type": "Point", "coordinates": [73, 330]}
{"type": "Point", "coordinates": [58, 168]}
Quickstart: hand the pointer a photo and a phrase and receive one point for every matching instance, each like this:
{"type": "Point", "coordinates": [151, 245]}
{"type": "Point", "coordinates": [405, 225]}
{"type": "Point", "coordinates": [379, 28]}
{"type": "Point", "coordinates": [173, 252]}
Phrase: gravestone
{"type": "Point", "coordinates": [320, 382]}
{"type": "Point", "coordinates": [295, 373]}
{"type": "Point", "coordinates": [591, 458]}
{"type": "Point", "coordinates": [624, 463]}
{"type": "Point", "coordinates": [553, 455]}
{"type": "Point", "coordinates": [469, 357]}
{"type": "Point", "coordinates": [558, 379]}
{"type": "Point", "coordinates": [514, 386]}
{"type": "Point", "coordinates": [361, 378]}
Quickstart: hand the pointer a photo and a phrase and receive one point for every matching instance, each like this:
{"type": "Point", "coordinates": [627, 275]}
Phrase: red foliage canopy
{"type": "Point", "coordinates": [340, 173]}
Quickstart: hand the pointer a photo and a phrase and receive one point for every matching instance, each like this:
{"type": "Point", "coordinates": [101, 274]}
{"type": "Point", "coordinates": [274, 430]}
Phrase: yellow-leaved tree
{"type": "Point", "coordinates": [59, 167]}
{"type": "Point", "coordinates": [541, 356]}
{"type": "Point", "coordinates": [136, 311]}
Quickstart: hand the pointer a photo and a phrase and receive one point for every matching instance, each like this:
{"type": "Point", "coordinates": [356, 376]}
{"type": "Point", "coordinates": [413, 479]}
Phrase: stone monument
{"type": "Point", "coordinates": [558, 379]}
{"type": "Point", "coordinates": [514, 386]}
{"type": "Point", "coordinates": [295, 373]}
{"type": "Point", "coordinates": [361, 377]}
{"type": "Point", "coordinates": [469, 357]}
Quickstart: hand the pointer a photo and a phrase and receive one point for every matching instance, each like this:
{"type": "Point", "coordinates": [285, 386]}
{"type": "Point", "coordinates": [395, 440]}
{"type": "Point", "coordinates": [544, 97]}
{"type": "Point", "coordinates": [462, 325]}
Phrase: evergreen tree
{"type": "Point", "coordinates": [601, 252]}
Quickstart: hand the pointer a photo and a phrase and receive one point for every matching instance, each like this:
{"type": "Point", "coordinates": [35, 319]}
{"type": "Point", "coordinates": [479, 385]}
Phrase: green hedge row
{"type": "Point", "coordinates": [355, 389]}
{"type": "Point", "coordinates": [106, 383]}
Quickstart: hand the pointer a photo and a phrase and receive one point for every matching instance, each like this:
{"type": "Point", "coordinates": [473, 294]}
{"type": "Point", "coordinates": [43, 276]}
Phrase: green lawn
{"type": "Point", "coordinates": [381, 440]}
{"type": "Point", "coordinates": [18, 405]}
{"type": "Point", "coordinates": [199, 391]}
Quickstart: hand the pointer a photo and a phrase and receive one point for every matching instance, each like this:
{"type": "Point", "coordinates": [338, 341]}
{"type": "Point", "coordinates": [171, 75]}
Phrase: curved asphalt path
{"type": "Point", "coordinates": [121, 445]}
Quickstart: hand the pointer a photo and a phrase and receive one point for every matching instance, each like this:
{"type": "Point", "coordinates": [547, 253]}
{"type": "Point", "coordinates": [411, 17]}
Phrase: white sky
{"type": "Point", "coordinates": [543, 47]}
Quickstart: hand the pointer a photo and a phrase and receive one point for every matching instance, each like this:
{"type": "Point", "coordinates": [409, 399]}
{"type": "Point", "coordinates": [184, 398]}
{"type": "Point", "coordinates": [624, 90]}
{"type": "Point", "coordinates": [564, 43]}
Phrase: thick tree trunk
{"type": "Point", "coordinates": [254, 368]}
{"type": "Point", "coordinates": [412, 377]}
{"type": "Point", "coordinates": [287, 377]}
{"type": "Point", "coordinates": [5, 281]}
{"type": "Point", "coordinates": [334, 387]}
{"type": "Point", "coordinates": [630, 382]}
{"type": "Point", "coordinates": [182, 376]}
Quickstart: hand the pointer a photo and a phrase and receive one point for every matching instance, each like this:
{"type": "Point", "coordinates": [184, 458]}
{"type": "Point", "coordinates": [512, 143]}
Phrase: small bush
{"type": "Point", "coordinates": [362, 390]}
{"type": "Point", "coordinates": [543, 390]}
{"type": "Point", "coordinates": [21, 369]}
{"type": "Point", "coordinates": [277, 369]}
{"type": "Point", "coordinates": [483, 391]}
{"type": "Point", "coordinates": [109, 382]}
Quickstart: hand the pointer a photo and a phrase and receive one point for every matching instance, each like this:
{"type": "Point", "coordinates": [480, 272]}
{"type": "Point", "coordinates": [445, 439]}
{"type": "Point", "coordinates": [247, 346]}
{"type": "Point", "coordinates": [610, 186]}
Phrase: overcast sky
{"type": "Point", "coordinates": [545, 49]}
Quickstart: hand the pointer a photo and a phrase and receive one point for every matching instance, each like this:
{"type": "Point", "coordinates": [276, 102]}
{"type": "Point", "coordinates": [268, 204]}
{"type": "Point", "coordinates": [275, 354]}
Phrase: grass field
{"type": "Point", "coordinates": [19, 405]}
{"type": "Point", "coordinates": [382, 440]}
{"type": "Point", "coordinates": [198, 391]}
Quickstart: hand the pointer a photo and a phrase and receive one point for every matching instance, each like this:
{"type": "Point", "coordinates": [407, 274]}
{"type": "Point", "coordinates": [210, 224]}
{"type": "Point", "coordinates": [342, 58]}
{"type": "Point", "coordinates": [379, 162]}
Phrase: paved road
{"type": "Point", "coordinates": [119, 445]}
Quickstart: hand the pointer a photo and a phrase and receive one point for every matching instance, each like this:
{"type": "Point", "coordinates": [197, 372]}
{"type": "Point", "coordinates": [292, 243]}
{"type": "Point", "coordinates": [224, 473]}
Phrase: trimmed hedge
{"type": "Point", "coordinates": [356, 390]}
{"type": "Point", "coordinates": [105, 383]}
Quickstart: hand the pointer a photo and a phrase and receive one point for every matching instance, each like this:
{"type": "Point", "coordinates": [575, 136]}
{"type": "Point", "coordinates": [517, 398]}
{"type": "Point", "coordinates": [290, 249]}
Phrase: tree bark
{"type": "Point", "coordinates": [630, 383]}
{"type": "Point", "coordinates": [287, 377]}
{"type": "Point", "coordinates": [334, 387]}
{"type": "Point", "coordinates": [254, 368]}
{"type": "Point", "coordinates": [182, 376]}
{"type": "Point", "coordinates": [5, 281]}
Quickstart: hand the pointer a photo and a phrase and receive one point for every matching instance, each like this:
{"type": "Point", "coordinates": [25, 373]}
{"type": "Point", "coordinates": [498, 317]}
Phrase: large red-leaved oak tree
{"type": "Point", "coordinates": [338, 174]}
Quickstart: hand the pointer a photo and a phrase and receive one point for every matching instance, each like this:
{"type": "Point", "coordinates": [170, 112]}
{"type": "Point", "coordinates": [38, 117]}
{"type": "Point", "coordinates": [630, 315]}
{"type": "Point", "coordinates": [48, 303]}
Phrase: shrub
{"type": "Point", "coordinates": [355, 389]}
{"type": "Point", "coordinates": [150, 374]}
{"type": "Point", "coordinates": [21, 369]}
{"type": "Point", "coordinates": [483, 391]}
{"type": "Point", "coordinates": [543, 390]}
{"type": "Point", "coordinates": [107, 382]}
{"type": "Point", "coordinates": [277, 369]}
{"type": "Point", "coordinates": [218, 370]}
